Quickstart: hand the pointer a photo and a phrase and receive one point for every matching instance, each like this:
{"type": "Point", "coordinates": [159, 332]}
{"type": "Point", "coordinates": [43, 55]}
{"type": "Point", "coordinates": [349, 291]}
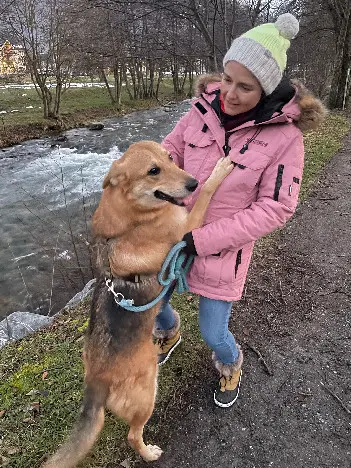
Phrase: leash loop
{"type": "Point", "coordinates": [174, 269]}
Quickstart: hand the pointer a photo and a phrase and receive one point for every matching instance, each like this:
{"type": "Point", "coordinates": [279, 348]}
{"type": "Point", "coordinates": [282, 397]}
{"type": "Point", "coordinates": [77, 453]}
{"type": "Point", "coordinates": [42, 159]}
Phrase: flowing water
{"type": "Point", "coordinates": [48, 193]}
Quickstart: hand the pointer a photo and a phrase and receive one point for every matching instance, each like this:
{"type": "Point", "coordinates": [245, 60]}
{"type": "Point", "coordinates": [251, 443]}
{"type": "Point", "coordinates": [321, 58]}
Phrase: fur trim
{"type": "Point", "coordinates": [227, 370]}
{"type": "Point", "coordinates": [313, 111]}
{"type": "Point", "coordinates": [167, 334]}
{"type": "Point", "coordinates": [204, 80]}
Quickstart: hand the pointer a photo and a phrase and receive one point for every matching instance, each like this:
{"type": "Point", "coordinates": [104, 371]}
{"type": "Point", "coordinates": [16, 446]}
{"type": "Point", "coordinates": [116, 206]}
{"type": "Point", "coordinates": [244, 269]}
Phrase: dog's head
{"type": "Point", "coordinates": [147, 175]}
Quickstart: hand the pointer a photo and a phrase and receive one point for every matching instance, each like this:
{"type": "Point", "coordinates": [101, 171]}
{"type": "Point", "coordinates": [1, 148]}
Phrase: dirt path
{"type": "Point", "coordinates": [297, 314]}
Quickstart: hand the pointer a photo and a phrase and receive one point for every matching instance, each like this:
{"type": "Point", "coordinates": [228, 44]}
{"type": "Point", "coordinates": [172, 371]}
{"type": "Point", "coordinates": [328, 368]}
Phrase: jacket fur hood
{"type": "Point", "coordinates": [312, 110]}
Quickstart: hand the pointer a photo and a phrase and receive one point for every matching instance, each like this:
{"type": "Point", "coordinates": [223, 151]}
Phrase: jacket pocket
{"type": "Point", "coordinates": [219, 271]}
{"type": "Point", "coordinates": [242, 183]}
{"type": "Point", "coordinates": [198, 145]}
{"type": "Point", "coordinates": [206, 270]}
{"type": "Point", "coordinates": [232, 270]}
{"type": "Point", "coordinates": [193, 138]}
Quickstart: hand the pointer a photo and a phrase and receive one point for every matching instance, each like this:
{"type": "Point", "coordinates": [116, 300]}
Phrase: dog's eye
{"type": "Point", "coordinates": [170, 157]}
{"type": "Point", "coordinates": [154, 171]}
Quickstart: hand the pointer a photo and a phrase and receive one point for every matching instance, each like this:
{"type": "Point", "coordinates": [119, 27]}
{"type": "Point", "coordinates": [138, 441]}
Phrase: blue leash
{"type": "Point", "coordinates": [177, 272]}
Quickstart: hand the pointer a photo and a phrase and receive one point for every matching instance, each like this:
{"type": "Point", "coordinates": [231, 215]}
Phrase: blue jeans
{"type": "Point", "coordinates": [213, 321]}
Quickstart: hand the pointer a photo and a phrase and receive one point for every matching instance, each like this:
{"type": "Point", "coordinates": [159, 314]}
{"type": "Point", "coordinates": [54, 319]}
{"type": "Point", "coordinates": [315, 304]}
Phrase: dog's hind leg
{"type": "Point", "coordinates": [142, 412]}
{"type": "Point", "coordinates": [136, 407]}
{"type": "Point", "coordinates": [135, 438]}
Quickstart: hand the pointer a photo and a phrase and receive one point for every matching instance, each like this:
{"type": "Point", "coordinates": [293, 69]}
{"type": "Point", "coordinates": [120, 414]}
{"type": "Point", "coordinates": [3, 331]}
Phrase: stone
{"type": "Point", "coordinates": [19, 324]}
{"type": "Point", "coordinates": [96, 126]}
{"type": "Point", "coordinates": [86, 291]}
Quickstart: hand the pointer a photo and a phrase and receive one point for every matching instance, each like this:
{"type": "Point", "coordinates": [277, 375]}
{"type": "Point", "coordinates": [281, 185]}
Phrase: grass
{"type": "Point", "coordinates": [79, 107]}
{"type": "Point", "coordinates": [320, 145]}
{"type": "Point", "coordinates": [41, 390]}
{"type": "Point", "coordinates": [41, 376]}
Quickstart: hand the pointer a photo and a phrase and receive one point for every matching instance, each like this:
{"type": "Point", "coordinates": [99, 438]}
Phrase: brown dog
{"type": "Point", "coordinates": [138, 220]}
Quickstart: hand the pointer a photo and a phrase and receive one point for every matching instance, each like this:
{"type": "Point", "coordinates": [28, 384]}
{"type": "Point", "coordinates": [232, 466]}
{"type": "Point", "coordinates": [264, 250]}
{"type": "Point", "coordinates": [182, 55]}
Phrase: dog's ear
{"type": "Point", "coordinates": [115, 175]}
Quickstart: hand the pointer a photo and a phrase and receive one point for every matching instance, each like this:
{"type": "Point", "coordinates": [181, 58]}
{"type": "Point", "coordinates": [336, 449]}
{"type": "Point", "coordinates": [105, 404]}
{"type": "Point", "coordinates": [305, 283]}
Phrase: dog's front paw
{"type": "Point", "coordinates": [223, 168]}
{"type": "Point", "coordinates": [153, 453]}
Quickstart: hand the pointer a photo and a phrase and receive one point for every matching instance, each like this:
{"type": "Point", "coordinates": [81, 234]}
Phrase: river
{"type": "Point", "coordinates": [48, 192]}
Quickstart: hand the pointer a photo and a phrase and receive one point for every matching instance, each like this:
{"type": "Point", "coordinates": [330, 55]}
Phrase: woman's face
{"type": "Point", "coordinates": [240, 89]}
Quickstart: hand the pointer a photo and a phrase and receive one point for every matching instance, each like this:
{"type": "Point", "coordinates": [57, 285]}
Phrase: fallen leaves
{"type": "Point", "coordinates": [12, 450]}
{"type": "Point", "coordinates": [125, 463]}
{"type": "Point", "coordinates": [4, 461]}
{"type": "Point", "coordinates": [34, 409]}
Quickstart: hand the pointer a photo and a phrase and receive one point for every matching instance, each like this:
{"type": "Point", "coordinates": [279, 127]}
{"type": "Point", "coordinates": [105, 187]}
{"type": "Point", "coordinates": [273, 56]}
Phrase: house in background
{"type": "Point", "coordinates": [12, 61]}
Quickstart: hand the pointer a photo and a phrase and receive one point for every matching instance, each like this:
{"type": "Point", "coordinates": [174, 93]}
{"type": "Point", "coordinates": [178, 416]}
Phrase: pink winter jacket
{"type": "Point", "coordinates": [258, 196]}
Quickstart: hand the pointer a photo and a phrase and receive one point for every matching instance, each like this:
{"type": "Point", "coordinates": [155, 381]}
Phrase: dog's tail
{"type": "Point", "coordinates": [85, 432]}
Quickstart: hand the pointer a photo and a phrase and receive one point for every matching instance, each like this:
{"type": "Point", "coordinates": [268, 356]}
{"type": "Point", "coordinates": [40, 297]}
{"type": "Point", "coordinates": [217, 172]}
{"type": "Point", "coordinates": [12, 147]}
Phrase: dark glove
{"type": "Point", "coordinates": [190, 248]}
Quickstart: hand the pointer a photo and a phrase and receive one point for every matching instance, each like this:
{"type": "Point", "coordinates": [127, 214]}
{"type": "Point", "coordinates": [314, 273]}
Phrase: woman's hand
{"type": "Point", "coordinates": [223, 167]}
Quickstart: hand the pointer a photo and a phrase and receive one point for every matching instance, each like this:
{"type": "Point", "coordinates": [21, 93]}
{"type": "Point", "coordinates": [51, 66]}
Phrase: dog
{"type": "Point", "coordinates": [139, 218]}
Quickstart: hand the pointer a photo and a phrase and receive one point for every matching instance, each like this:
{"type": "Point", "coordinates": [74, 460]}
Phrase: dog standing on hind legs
{"type": "Point", "coordinates": [139, 218]}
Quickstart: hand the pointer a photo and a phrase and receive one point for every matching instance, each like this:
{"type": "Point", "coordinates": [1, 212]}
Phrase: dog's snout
{"type": "Point", "coordinates": [191, 185]}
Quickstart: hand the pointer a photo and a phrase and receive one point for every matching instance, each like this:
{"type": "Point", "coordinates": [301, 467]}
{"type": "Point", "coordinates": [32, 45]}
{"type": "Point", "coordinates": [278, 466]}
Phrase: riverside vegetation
{"type": "Point", "coordinates": [21, 116]}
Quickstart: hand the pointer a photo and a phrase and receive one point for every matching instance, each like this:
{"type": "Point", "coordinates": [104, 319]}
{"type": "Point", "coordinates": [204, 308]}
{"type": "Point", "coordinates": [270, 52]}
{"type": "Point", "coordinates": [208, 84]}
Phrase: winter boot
{"type": "Point", "coordinates": [229, 383]}
{"type": "Point", "coordinates": [167, 340]}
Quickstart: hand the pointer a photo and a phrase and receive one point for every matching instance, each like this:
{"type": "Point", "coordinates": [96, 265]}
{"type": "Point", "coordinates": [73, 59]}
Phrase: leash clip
{"type": "Point", "coordinates": [119, 298]}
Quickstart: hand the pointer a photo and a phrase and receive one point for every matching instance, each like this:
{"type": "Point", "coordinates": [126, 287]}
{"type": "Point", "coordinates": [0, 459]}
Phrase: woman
{"type": "Point", "coordinates": [254, 116]}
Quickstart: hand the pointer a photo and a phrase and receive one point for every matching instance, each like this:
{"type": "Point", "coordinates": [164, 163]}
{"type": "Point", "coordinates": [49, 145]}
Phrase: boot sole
{"type": "Point", "coordinates": [227, 405]}
{"type": "Point", "coordinates": [170, 352]}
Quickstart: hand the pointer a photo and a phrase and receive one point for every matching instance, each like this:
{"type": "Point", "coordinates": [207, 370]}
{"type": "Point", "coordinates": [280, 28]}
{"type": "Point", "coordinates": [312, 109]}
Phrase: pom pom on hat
{"type": "Point", "coordinates": [287, 25]}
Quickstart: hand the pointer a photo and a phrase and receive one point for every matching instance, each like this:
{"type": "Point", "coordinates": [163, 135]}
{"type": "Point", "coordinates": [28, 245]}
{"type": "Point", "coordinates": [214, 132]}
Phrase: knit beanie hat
{"type": "Point", "coordinates": [262, 50]}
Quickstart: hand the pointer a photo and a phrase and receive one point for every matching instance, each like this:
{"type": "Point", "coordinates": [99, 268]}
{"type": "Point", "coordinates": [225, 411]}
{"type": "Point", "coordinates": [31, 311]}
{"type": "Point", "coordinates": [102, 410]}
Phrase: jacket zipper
{"type": "Point", "coordinates": [226, 147]}
{"type": "Point", "coordinates": [238, 261]}
{"type": "Point", "coordinates": [278, 182]}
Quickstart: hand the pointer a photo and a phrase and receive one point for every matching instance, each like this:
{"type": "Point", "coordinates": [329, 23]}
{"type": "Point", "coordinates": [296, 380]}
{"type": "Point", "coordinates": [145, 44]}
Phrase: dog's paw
{"type": "Point", "coordinates": [153, 453]}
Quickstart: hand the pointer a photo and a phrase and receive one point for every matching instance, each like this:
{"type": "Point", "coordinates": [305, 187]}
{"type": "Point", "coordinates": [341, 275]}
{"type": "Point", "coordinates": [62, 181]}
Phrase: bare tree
{"type": "Point", "coordinates": [42, 29]}
{"type": "Point", "coordinates": [340, 12]}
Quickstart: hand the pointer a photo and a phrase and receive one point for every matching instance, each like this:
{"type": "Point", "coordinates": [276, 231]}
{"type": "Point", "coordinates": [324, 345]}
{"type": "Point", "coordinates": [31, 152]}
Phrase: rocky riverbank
{"type": "Point", "coordinates": [16, 133]}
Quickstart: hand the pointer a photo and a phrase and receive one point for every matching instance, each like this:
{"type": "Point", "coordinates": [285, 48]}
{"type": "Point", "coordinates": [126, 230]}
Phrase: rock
{"type": "Point", "coordinates": [19, 324]}
{"type": "Point", "coordinates": [57, 141]}
{"type": "Point", "coordinates": [86, 291]}
{"type": "Point", "coordinates": [96, 126]}
{"type": "Point", "coordinates": [61, 138]}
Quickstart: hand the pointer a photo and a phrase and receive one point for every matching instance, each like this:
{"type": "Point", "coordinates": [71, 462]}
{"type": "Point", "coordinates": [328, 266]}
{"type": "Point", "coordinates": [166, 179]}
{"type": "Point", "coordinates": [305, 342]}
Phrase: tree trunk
{"type": "Point", "coordinates": [125, 77]}
{"type": "Point", "coordinates": [336, 96]}
{"type": "Point", "coordinates": [117, 74]}
{"type": "Point", "coordinates": [151, 91]}
{"type": "Point", "coordinates": [159, 79]}
{"type": "Point", "coordinates": [57, 103]}
{"type": "Point", "coordinates": [191, 81]}
{"type": "Point", "coordinates": [342, 61]}
{"type": "Point", "coordinates": [108, 87]}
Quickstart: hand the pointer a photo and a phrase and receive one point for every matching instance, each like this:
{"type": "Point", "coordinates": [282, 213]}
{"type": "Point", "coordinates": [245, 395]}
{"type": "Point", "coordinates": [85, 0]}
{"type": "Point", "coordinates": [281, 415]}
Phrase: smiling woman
{"type": "Point", "coordinates": [240, 89]}
{"type": "Point", "coordinates": [253, 117]}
